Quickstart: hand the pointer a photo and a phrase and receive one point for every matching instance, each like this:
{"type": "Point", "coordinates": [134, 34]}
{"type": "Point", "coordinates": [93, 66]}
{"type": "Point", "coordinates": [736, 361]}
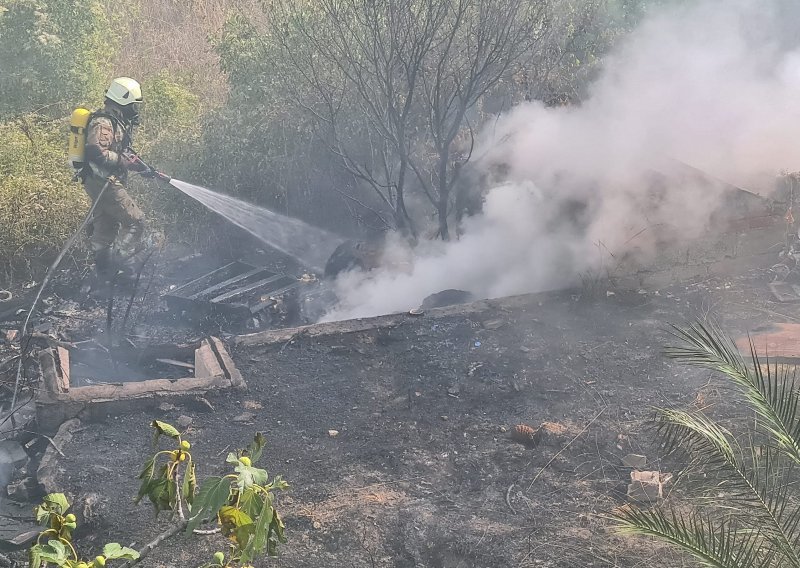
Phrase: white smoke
{"type": "Point", "coordinates": [715, 85]}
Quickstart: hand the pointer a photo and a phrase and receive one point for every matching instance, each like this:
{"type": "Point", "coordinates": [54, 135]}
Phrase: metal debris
{"type": "Point", "coordinates": [237, 292]}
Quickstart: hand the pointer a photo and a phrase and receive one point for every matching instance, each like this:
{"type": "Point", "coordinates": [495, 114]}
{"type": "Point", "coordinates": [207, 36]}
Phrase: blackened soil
{"type": "Point", "coordinates": [423, 471]}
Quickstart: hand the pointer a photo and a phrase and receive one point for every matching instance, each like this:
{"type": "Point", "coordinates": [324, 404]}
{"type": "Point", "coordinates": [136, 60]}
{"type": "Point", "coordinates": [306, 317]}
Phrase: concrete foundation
{"type": "Point", "coordinates": [58, 401]}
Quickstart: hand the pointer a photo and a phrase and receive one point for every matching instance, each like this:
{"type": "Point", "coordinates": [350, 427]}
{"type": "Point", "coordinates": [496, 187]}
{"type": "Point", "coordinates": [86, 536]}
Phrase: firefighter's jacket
{"type": "Point", "coordinates": [108, 136]}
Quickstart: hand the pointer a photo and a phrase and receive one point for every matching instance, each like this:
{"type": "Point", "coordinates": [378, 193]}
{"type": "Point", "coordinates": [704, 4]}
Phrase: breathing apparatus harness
{"type": "Point", "coordinates": [79, 123]}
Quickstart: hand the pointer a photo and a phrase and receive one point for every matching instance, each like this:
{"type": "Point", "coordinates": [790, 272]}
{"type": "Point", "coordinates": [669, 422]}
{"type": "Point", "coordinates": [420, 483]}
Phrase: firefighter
{"type": "Point", "coordinates": [115, 232]}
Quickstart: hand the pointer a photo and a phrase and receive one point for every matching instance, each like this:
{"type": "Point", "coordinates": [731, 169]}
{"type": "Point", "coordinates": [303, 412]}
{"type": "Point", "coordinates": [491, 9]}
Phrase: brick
{"type": "Point", "coordinates": [647, 486]}
{"type": "Point", "coordinates": [62, 374]}
{"type": "Point", "coordinates": [206, 364]}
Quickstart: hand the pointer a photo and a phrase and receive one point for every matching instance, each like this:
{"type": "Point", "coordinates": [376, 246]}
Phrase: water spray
{"type": "Point", "coordinates": [309, 245]}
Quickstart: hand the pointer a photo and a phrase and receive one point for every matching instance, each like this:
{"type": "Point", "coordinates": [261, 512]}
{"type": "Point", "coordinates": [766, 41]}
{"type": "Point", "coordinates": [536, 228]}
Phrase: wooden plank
{"type": "Point", "coordinates": [175, 363]}
{"type": "Point", "coordinates": [47, 363]}
{"type": "Point", "coordinates": [48, 468]}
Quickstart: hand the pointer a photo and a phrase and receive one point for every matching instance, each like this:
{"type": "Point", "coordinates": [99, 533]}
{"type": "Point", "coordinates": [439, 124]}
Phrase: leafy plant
{"type": "Point", "coordinates": [58, 548]}
{"type": "Point", "coordinates": [746, 513]}
{"type": "Point", "coordinates": [163, 486]}
{"type": "Point", "coordinates": [241, 503]}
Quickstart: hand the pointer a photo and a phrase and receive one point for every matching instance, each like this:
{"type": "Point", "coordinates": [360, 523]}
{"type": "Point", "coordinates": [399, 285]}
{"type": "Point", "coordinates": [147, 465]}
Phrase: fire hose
{"type": "Point", "coordinates": [45, 281]}
{"type": "Point", "coordinates": [148, 172]}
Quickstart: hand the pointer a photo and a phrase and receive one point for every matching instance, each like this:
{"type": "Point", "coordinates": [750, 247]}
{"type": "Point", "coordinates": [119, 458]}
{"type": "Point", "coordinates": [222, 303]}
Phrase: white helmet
{"type": "Point", "coordinates": [124, 91]}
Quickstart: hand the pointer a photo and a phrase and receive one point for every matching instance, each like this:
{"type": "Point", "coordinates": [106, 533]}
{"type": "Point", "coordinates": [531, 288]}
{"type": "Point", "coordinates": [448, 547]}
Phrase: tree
{"type": "Point", "coordinates": [746, 513]}
{"type": "Point", "coordinates": [394, 84]}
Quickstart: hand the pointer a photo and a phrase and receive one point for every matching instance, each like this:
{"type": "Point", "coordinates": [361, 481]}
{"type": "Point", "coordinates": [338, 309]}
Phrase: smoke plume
{"type": "Point", "coordinates": [715, 85]}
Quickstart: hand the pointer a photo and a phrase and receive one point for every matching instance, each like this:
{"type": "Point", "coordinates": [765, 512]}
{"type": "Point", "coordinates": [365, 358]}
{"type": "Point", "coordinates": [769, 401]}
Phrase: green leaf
{"type": "Point", "coordinates": [213, 494]}
{"type": "Point", "coordinates": [233, 516]}
{"type": "Point", "coordinates": [256, 447]}
{"type": "Point", "coordinates": [114, 551]}
{"type": "Point", "coordinates": [43, 515]}
{"type": "Point", "coordinates": [251, 502]}
{"type": "Point", "coordinates": [258, 543]}
{"type": "Point", "coordinates": [276, 536]}
{"type": "Point", "coordinates": [278, 483]}
{"type": "Point", "coordinates": [249, 476]}
{"type": "Point", "coordinates": [232, 458]}
{"type": "Point", "coordinates": [236, 525]}
{"type": "Point", "coordinates": [771, 395]}
{"type": "Point", "coordinates": [159, 494]}
{"type": "Point", "coordinates": [164, 429]}
{"type": "Point", "coordinates": [189, 484]}
{"type": "Point", "coordinates": [145, 489]}
{"type": "Point", "coordinates": [147, 471]}
{"type": "Point", "coordinates": [34, 556]}
{"type": "Point", "coordinates": [157, 490]}
{"type": "Point", "coordinates": [54, 552]}
{"type": "Point", "coordinates": [242, 535]}
{"type": "Point", "coordinates": [713, 545]}
{"type": "Point", "coordinates": [146, 476]}
{"type": "Point", "coordinates": [56, 502]}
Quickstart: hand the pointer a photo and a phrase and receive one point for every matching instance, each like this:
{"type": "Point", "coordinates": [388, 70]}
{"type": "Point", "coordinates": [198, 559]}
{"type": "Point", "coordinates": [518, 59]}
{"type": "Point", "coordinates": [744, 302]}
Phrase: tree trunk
{"type": "Point", "coordinates": [402, 218]}
{"type": "Point", "coordinates": [444, 195]}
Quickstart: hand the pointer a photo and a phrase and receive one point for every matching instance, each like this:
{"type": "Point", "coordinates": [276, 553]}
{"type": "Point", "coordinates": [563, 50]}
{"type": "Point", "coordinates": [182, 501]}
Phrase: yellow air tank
{"type": "Point", "coordinates": [77, 138]}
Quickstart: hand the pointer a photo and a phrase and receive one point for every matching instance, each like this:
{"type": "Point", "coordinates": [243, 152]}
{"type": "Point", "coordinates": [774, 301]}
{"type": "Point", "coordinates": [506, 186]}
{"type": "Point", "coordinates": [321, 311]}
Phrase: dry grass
{"type": "Point", "coordinates": [175, 36]}
{"type": "Point", "coordinates": [347, 503]}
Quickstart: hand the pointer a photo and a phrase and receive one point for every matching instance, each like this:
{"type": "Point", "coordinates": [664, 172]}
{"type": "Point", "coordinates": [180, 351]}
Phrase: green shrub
{"type": "Point", "coordinates": [53, 54]}
{"type": "Point", "coordinates": [40, 205]}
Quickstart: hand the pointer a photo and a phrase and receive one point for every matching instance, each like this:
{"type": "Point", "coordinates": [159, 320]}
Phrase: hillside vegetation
{"type": "Point", "coordinates": [359, 117]}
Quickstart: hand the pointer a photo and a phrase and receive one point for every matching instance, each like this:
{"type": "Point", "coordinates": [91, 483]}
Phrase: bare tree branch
{"type": "Point", "coordinates": [395, 80]}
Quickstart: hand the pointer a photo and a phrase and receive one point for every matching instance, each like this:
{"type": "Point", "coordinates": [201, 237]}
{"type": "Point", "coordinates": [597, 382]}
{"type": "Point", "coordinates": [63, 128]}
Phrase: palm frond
{"type": "Point", "coordinates": [714, 545]}
{"type": "Point", "coordinates": [747, 516]}
{"type": "Point", "coordinates": [706, 345]}
{"type": "Point", "coordinates": [695, 433]}
{"type": "Point", "coordinates": [761, 489]}
{"type": "Point", "coordinates": [772, 394]}
{"type": "Point", "coordinates": [778, 388]}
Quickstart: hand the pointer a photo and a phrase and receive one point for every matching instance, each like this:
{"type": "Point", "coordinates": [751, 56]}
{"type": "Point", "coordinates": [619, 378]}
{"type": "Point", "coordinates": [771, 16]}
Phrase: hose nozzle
{"type": "Point", "coordinates": [153, 173]}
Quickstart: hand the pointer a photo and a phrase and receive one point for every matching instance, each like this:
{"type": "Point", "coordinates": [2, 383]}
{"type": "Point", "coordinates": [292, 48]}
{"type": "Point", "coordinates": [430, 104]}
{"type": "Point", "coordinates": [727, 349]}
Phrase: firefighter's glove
{"type": "Point", "coordinates": [133, 163]}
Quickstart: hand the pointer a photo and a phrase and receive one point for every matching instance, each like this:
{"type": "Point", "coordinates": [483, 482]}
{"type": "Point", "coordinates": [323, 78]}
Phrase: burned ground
{"type": "Point", "coordinates": [423, 471]}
